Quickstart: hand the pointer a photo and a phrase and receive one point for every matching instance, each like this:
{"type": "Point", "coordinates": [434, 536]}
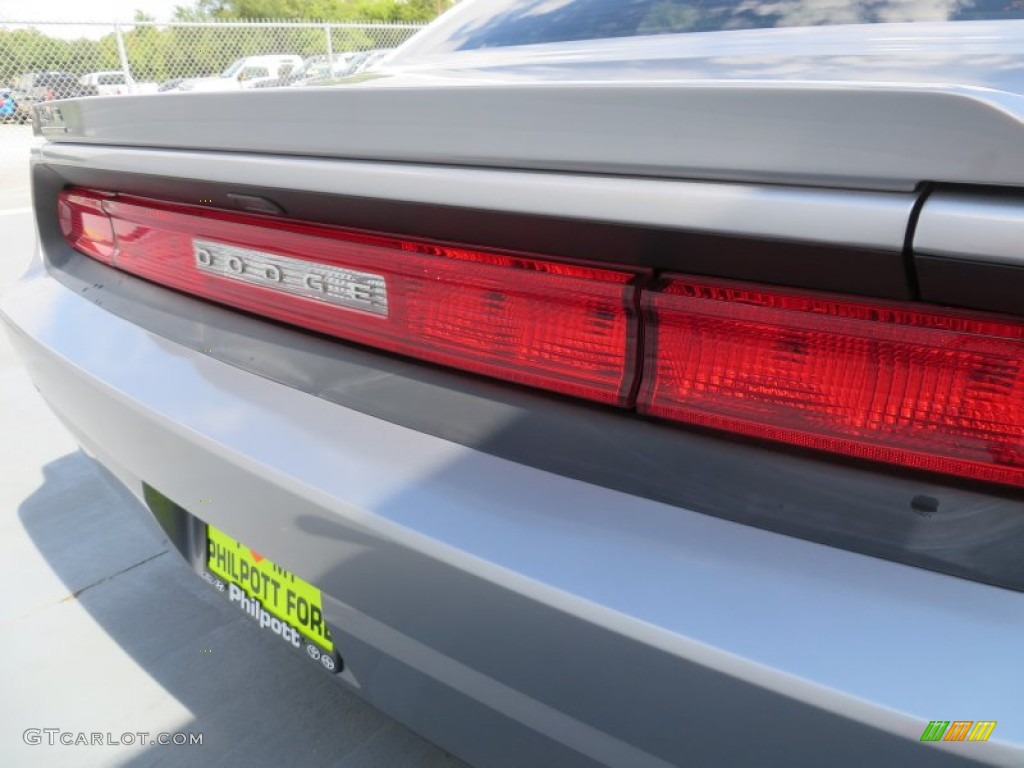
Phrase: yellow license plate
{"type": "Point", "coordinates": [277, 600]}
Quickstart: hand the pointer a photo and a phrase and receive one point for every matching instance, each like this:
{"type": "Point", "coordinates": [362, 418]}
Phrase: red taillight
{"type": "Point", "coordinates": [922, 387]}
{"type": "Point", "coordinates": [86, 225]}
{"type": "Point", "coordinates": [938, 390]}
{"type": "Point", "coordinates": [563, 327]}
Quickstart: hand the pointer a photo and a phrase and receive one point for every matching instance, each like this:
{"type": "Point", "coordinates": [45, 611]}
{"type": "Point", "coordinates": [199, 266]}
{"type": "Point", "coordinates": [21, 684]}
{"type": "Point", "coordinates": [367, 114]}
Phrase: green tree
{"type": "Point", "coordinates": [163, 52]}
{"type": "Point", "coordinates": [319, 10]}
{"type": "Point", "coordinates": [29, 50]}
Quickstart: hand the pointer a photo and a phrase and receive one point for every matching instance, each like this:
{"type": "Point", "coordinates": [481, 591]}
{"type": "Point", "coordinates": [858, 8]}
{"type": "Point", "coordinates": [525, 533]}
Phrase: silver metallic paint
{"type": "Point", "coordinates": [840, 217]}
{"type": "Point", "coordinates": [973, 226]}
{"type": "Point", "coordinates": [762, 608]}
{"type": "Point", "coordinates": [881, 106]}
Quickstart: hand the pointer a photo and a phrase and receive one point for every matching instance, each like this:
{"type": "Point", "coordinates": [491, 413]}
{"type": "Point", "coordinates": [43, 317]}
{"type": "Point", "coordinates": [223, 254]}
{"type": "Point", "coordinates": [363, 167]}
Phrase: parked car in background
{"type": "Point", "coordinates": [115, 83]}
{"type": "Point", "coordinates": [593, 383]}
{"type": "Point", "coordinates": [364, 60]}
{"type": "Point", "coordinates": [36, 87]}
{"type": "Point", "coordinates": [170, 85]}
{"type": "Point", "coordinates": [315, 70]}
{"type": "Point", "coordinates": [245, 73]}
{"type": "Point", "coordinates": [8, 107]}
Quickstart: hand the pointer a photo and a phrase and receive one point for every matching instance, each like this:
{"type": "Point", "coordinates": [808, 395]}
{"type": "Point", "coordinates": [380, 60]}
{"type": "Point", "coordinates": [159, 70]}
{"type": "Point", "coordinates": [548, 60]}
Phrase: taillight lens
{"type": "Point", "coordinates": [938, 390]}
{"type": "Point", "coordinates": [568, 328]}
{"type": "Point", "coordinates": [86, 225]}
{"type": "Point", "coordinates": [906, 384]}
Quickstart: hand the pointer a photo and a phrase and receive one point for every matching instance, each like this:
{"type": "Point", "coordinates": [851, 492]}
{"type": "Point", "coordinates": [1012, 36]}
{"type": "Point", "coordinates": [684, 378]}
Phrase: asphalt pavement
{"type": "Point", "coordinates": [106, 634]}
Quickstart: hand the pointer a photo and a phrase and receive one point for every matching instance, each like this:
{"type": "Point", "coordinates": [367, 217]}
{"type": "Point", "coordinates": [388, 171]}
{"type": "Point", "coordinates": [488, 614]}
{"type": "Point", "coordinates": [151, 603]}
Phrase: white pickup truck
{"type": "Point", "coordinates": [115, 83]}
{"type": "Point", "coordinates": [247, 72]}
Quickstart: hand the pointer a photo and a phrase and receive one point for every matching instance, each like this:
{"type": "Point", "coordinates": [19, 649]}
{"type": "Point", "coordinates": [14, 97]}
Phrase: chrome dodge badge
{"type": "Point", "coordinates": [346, 287]}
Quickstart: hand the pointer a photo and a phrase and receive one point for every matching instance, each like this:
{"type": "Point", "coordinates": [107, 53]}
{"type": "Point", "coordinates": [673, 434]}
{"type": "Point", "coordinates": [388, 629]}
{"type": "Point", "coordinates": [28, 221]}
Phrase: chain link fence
{"type": "Point", "coordinates": [52, 59]}
{"type": "Point", "coordinates": [162, 52]}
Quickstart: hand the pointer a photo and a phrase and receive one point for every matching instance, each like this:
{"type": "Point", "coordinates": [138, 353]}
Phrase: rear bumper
{"type": "Point", "coordinates": [518, 617]}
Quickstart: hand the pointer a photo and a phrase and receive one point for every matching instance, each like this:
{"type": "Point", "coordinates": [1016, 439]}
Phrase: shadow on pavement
{"type": "Point", "coordinates": [255, 704]}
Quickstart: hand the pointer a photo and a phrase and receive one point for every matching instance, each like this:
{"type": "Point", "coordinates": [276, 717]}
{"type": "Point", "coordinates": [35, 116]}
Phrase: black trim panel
{"type": "Point", "coordinates": [973, 284]}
